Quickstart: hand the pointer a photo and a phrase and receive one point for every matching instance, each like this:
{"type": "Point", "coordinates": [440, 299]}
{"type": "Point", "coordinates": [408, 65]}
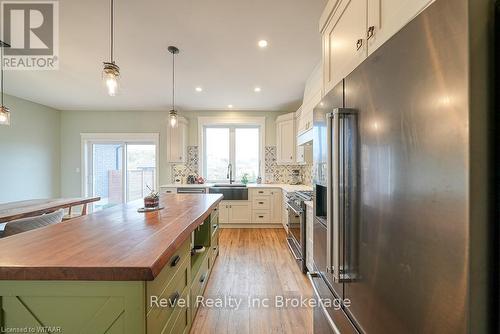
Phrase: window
{"type": "Point", "coordinates": [238, 145]}
{"type": "Point", "coordinates": [107, 156]}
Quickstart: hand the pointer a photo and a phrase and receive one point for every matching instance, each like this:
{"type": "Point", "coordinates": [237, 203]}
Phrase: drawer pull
{"type": "Point", "coordinates": [261, 202]}
{"type": "Point", "coordinates": [175, 261]}
{"type": "Point", "coordinates": [261, 192]}
{"type": "Point", "coordinates": [215, 248]}
{"type": "Point", "coordinates": [203, 278]}
{"type": "Point", "coordinates": [261, 216]}
{"type": "Point", "coordinates": [173, 298]}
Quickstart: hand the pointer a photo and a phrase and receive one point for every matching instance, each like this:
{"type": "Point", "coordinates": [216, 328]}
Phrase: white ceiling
{"type": "Point", "coordinates": [218, 43]}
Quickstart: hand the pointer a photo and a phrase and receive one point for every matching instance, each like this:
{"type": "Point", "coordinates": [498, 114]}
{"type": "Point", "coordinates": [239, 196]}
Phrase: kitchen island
{"type": "Point", "coordinates": [105, 272]}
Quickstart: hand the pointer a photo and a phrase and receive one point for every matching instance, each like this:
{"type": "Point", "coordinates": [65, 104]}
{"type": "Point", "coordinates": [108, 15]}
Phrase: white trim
{"type": "Point", "coordinates": [85, 138]}
{"type": "Point", "coordinates": [244, 121]}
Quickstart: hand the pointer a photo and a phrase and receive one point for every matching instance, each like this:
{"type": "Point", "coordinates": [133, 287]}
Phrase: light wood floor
{"type": "Point", "coordinates": [255, 263]}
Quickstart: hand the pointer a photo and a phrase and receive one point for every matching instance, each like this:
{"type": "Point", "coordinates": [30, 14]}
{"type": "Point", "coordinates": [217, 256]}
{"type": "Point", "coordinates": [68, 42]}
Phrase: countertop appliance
{"type": "Point", "coordinates": [296, 238]}
{"type": "Point", "coordinates": [401, 231]}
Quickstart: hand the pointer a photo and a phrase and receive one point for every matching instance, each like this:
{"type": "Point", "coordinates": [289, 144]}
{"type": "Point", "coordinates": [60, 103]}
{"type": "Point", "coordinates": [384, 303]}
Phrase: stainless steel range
{"type": "Point", "coordinates": [296, 238]}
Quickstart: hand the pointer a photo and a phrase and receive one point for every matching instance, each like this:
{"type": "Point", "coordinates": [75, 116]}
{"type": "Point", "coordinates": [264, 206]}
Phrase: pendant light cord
{"type": "Point", "coordinates": [112, 30]}
{"type": "Point", "coordinates": [173, 81]}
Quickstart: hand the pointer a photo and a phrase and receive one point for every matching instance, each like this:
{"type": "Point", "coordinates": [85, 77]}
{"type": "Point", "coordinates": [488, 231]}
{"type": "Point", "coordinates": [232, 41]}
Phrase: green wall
{"type": "Point", "coordinates": [29, 152]}
{"type": "Point", "coordinates": [75, 122]}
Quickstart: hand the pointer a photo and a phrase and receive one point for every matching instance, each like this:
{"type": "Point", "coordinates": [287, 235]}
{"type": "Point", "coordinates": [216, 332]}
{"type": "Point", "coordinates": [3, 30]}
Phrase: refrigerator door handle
{"type": "Point", "coordinates": [337, 172]}
{"type": "Point", "coordinates": [329, 194]}
{"type": "Point", "coordinates": [321, 305]}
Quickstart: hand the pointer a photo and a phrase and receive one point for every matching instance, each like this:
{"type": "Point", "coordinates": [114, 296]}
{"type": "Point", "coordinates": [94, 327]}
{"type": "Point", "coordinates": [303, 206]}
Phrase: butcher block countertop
{"type": "Point", "coordinates": [116, 244]}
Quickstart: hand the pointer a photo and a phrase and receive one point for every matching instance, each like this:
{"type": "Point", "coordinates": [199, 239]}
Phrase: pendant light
{"type": "Point", "coordinates": [111, 71]}
{"type": "Point", "coordinates": [4, 111]}
{"type": "Point", "coordinates": [173, 115]}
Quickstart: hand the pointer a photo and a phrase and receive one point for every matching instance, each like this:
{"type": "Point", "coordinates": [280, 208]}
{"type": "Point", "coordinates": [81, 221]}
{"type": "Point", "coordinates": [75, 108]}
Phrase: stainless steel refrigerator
{"type": "Point", "coordinates": [400, 197]}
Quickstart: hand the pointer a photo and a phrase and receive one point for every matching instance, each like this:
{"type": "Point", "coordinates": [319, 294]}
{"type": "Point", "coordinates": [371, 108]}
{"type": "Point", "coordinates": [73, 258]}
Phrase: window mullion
{"type": "Point", "coordinates": [232, 147]}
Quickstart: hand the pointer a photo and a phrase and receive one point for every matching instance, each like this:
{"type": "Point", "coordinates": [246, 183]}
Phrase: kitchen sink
{"type": "Point", "coordinates": [230, 192]}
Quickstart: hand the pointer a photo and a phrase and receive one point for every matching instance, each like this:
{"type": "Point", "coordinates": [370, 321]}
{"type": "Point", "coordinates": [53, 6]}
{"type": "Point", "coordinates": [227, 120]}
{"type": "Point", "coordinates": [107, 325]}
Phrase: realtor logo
{"type": "Point", "coordinates": [32, 30]}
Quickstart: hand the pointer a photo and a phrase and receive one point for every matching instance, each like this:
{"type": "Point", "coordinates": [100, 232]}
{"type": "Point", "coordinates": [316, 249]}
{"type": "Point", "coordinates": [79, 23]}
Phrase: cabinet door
{"type": "Point", "coordinates": [344, 42]}
{"type": "Point", "coordinates": [276, 205]}
{"type": "Point", "coordinates": [240, 212]}
{"type": "Point", "coordinates": [223, 212]}
{"type": "Point", "coordinates": [285, 149]}
{"type": "Point", "coordinates": [301, 158]}
{"type": "Point", "coordinates": [387, 17]}
{"type": "Point", "coordinates": [177, 143]}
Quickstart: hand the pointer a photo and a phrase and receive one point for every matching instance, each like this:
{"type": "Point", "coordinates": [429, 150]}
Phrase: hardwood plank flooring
{"type": "Point", "coordinates": [256, 264]}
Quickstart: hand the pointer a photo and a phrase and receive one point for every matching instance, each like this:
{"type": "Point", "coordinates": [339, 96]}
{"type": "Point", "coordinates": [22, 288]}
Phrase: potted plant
{"type": "Point", "coordinates": [244, 179]}
{"type": "Point", "coordinates": [152, 200]}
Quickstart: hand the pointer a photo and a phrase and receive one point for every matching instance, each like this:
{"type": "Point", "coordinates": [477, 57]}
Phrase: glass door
{"type": "Point", "coordinates": [141, 170]}
{"type": "Point", "coordinates": [106, 163]}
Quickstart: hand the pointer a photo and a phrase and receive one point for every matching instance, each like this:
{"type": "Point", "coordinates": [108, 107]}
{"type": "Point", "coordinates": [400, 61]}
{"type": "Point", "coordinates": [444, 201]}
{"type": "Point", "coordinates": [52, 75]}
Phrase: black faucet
{"type": "Point", "coordinates": [230, 173]}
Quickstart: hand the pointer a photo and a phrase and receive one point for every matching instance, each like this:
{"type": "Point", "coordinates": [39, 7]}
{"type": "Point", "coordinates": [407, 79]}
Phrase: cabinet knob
{"type": "Point", "coordinates": [359, 44]}
{"type": "Point", "coordinates": [370, 32]}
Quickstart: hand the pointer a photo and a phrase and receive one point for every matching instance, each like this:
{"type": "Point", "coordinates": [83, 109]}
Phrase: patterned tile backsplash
{"type": "Point", "coordinates": [274, 173]}
{"type": "Point", "coordinates": [182, 171]}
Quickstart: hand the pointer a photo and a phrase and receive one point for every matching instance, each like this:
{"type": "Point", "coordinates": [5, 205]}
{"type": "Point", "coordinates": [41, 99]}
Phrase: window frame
{"type": "Point", "coordinates": [231, 123]}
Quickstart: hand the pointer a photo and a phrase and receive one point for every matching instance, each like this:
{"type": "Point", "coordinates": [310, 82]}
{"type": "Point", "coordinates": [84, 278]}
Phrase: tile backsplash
{"type": "Point", "coordinates": [182, 171]}
{"type": "Point", "coordinates": [274, 173]}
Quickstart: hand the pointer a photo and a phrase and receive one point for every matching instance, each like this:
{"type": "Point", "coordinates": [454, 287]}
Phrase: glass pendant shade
{"type": "Point", "coordinates": [4, 115]}
{"type": "Point", "coordinates": [173, 119]}
{"type": "Point", "coordinates": [110, 76]}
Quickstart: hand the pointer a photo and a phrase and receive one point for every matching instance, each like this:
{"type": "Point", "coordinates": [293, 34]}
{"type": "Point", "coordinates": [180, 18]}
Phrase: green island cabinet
{"type": "Point", "coordinates": [117, 306]}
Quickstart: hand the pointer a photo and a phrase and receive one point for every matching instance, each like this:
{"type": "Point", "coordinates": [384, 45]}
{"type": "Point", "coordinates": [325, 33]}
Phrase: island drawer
{"type": "Point", "coordinates": [181, 321]}
{"type": "Point", "coordinates": [199, 283]}
{"type": "Point", "coordinates": [158, 317]}
{"type": "Point", "coordinates": [157, 287]}
{"type": "Point", "coordinates": [180, 318]}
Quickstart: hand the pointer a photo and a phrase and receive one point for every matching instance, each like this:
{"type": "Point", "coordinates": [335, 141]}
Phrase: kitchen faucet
{"type": "Point", "coordinates": [230, 173]}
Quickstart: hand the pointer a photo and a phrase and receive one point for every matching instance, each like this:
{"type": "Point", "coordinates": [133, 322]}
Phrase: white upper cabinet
{"type": "Point", "coordinates": [344, 41]}
{"type": "Point", "coordinates": [285, 139]}
{"type": "Point", "coordinates": [312, 96]}
{"type": "Point", "coordinates": [387, 17]}
{"type": "Point", "coordinates": [353, 29]}
{"type": "Point", "coordinates": [177, 142]}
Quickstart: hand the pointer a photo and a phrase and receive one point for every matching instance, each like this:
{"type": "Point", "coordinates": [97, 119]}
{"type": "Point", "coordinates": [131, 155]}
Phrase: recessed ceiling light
{"type": "Point", "coordinates": [199, 89]}
{"type": "Point", "coordinates": [229, 106]}
{"type": "Point", "coordinates": [262, 43]}
{"type": "Point", "coordinates": [257, 89]}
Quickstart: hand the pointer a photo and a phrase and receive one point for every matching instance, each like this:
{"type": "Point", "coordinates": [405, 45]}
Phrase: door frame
{"type": "Point", "coordinates": [124, 138]}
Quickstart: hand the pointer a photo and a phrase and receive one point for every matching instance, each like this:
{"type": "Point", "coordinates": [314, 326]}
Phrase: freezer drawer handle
{"type": "Point", "coordinates": [320, 302]}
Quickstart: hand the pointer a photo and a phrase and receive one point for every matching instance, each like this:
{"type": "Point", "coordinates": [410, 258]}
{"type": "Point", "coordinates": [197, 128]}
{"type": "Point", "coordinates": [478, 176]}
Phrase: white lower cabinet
{"type": "Point", "coordinates": [266, 204]}
{"type": "Point", "coordinates": [240, 212]}
{"type": "Point", "coordinates": [309, 237]}
{"type": "Point", "coordinates": [223, 212]}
